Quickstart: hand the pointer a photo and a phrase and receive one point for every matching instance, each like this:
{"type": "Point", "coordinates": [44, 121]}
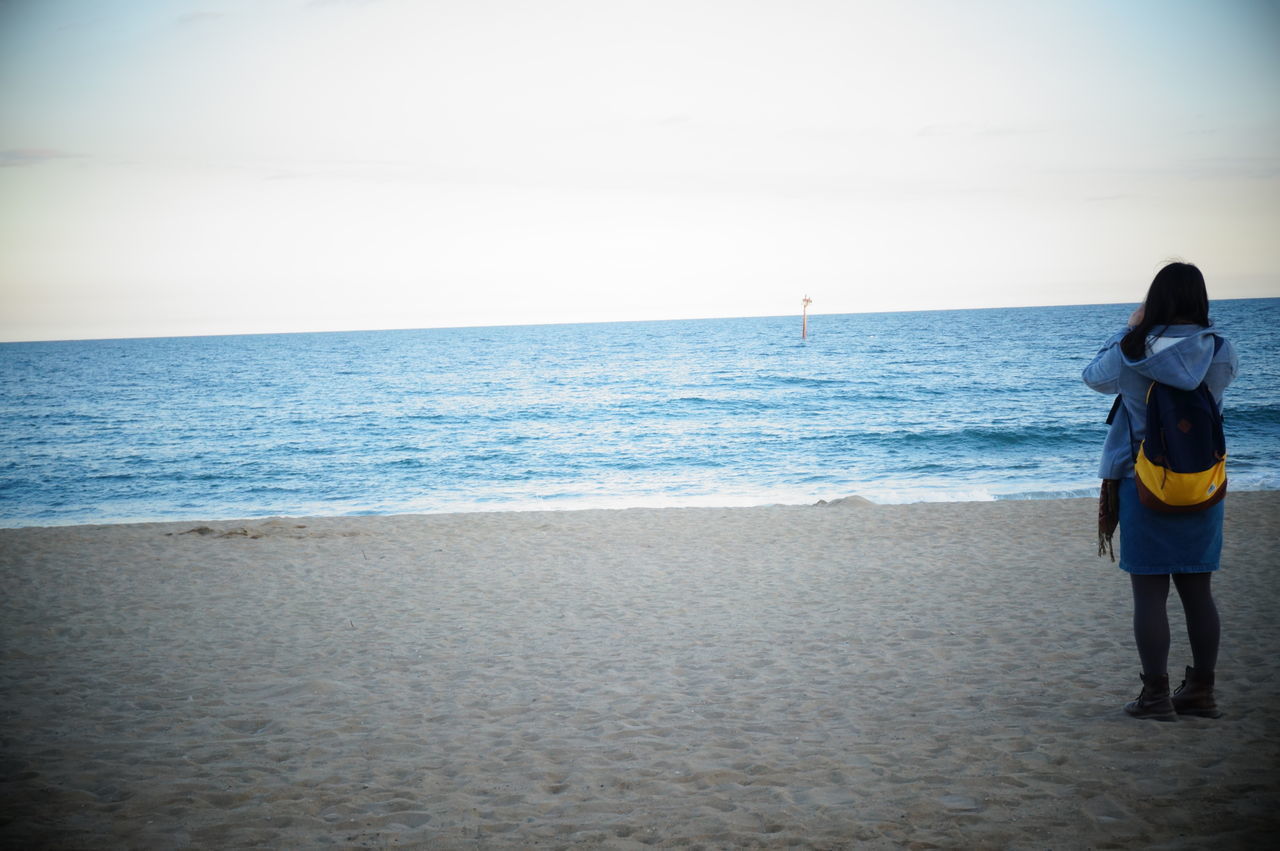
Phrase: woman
{"type": "Point", "coordinates": [1168, 339]}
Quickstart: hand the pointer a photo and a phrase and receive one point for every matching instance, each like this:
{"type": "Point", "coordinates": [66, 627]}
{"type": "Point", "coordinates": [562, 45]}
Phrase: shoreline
{"type": "Point", "coordinates": [847, 675]}
{"type": "Point", "coordinates": [696, 503]}
{"type": "Point", "coordinates": [553, 505]}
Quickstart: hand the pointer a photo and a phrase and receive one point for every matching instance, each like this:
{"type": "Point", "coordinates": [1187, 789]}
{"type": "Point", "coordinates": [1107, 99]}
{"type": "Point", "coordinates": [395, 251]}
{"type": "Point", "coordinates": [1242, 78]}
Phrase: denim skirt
{"type": "Point", "coordinates": [1152, 542]}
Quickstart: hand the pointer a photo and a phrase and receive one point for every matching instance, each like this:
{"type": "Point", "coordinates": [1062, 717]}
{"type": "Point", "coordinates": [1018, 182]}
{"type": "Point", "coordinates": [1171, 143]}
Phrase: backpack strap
{"type": "Point", "coordinates": [1134, 443]}
{"type": "Point", "coordinates": [1115, 406]}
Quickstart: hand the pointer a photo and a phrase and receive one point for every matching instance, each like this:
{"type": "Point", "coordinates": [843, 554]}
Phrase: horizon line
{"type": "Point", "coordinates": [569, 323]}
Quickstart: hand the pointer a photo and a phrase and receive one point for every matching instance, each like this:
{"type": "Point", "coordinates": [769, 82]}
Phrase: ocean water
{"type": "Point", "coordinates": [896, 407]}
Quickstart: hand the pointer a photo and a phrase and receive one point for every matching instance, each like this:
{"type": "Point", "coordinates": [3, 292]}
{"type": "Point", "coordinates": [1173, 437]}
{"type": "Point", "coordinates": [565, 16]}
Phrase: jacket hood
{"type": "Point", "coordinates": [1184, 363]}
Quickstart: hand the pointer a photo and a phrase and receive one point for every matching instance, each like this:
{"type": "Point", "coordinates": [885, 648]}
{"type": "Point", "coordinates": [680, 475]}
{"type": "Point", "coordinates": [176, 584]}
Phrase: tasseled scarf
{"type": "Point", "coordinates": [1108, 516]}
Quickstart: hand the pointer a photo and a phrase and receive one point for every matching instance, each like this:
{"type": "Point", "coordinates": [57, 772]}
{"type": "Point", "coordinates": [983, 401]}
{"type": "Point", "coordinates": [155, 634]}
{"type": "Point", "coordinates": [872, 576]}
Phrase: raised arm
{"type": "Point", "coordinates": [1103, 373]}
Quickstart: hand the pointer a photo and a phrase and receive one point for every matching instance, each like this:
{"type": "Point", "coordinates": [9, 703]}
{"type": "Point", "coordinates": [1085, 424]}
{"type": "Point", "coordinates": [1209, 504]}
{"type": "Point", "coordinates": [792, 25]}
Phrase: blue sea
{"type": "Point", "coordinates": [895, 407]}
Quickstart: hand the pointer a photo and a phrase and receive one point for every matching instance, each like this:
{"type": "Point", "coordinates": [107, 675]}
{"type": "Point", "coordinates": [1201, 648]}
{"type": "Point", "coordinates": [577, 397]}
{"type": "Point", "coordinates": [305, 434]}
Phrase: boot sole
{"type": "Point", "coordinates": [1200, 713]}
{"type": "Point", "coordinates": [1146, 715]}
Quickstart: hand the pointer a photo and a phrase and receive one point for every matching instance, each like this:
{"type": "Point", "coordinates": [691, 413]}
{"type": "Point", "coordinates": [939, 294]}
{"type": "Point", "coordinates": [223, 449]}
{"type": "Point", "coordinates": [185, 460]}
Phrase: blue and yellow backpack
{"type": "Point", "coordinates": [1181, 464]}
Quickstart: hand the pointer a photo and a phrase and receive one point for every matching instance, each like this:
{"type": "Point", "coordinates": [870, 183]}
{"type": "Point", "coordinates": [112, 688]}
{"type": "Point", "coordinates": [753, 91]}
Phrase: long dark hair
{"type": "Point", "coordinates": [1177, 295]}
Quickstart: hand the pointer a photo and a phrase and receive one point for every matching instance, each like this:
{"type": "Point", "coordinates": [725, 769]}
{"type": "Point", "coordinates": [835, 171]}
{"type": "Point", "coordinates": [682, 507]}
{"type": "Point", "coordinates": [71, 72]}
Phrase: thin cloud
{"type": "Point", "coordinates": [19, 157]}
{"type": "Point", "coordinates": [1256, 168]}
{"type": "Point", "coordinates": [967, 130]}
{"type": "Point", "coordinates": [199, 18]}
{"type": "Point", "coordinates": [1235, 168]}
{"type": "Point", "coordinates": [939, 130]}
{"type": "Point", "coordinates": [320, 4]}
{"type": "Point", "coordinates": [1014, 130]}
{"type": "Point", "coordinates": [85, 24]}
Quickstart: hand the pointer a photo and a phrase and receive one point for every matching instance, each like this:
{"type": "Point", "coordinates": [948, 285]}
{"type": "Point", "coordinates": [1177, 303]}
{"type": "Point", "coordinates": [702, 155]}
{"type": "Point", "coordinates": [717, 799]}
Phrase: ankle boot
{"type": "Point", "coordinates": [1195, 695]}
{"type": "Point", "coordinates": [1153, 701]}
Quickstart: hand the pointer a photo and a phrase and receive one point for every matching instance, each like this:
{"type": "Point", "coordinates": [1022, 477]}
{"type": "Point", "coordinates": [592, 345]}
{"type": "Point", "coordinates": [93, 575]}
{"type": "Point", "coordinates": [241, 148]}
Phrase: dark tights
{"type": "Point", "coordinates": [1151, 621]}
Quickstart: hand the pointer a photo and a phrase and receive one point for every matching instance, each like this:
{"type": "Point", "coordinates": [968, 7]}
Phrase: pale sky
{"type": "Point", "coordinates": [234, 166]}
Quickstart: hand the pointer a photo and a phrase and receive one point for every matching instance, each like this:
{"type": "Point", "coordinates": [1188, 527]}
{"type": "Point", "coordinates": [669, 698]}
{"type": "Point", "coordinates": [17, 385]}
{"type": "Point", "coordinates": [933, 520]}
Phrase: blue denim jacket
{"type": "Point", "coordinates": [1184, 364]}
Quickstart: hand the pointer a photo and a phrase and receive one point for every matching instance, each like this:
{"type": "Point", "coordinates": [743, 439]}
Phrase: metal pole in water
{"type": "Point", "coordinates": [804, 322]}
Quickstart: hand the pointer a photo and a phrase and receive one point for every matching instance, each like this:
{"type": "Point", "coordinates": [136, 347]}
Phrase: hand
{"type": "Point", "coordinates": [1135, 319]}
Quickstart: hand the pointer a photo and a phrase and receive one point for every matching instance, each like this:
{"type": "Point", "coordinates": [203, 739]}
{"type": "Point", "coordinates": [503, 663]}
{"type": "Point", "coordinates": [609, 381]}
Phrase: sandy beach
{"type": "Point", "coordinates": [832, 676]}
